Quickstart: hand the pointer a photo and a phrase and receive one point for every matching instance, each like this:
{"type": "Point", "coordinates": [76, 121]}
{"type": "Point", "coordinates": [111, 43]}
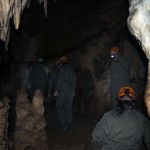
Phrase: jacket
{"type": "Point", "coordinates": [125, 132]}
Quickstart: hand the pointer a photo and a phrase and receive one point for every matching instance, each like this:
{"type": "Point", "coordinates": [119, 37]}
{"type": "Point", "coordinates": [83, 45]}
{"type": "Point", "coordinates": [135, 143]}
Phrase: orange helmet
{"type": "Point", "coordinates": [64, 59]}
{"type": "Point", "coordinates": [114, 49]}
{"type": "Point", "coordinates": [126, 93]}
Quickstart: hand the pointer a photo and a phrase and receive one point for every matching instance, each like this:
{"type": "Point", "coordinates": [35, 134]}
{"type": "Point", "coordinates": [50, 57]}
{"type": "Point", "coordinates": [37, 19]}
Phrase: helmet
{"type": "Point", "coordinates": [40, 60]}
{"type": "Point", "coordinates": [64, 59]}
{"type": "Point", "coordinates": [114, 49]}
{"type": "Point", "coordinates": [126, 93]}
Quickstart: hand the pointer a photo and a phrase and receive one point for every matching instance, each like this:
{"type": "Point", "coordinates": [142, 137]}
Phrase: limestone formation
{"type": "Point", "coordinates": [30, 124]}
{"type": "Point", "coordinates": [139, 26]}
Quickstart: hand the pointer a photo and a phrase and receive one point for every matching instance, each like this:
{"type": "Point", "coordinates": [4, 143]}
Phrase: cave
{"type": "Point", "coordinates": [84, 31]}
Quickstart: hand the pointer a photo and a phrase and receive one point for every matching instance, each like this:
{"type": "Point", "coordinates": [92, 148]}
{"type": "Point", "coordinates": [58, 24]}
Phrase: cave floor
{"type": "Point", "coordinates": [78, 139]}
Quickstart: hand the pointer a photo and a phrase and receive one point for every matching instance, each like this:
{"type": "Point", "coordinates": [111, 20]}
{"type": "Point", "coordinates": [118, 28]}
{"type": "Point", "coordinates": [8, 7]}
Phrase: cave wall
{"type": "Point", "coordinates": [94, 76]}
{"type": "Point", "coordinates": [84, 30]}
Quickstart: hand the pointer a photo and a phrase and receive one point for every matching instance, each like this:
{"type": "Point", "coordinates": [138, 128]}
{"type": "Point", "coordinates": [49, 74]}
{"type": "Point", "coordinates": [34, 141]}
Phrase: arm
{"type": "Point", "coordinates": [97, 135]}
{"type": "Point", "coordinates": [52, 80]}
{"type": "Point", "coordinates": [31, 74]}
{"type": "Point", "coordinates": [51, 83]}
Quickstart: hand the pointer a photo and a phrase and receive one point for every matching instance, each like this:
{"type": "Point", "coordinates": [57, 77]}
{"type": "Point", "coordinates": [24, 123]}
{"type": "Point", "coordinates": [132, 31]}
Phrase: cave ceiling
{"type": "Point", "coordinates": [69, 24]}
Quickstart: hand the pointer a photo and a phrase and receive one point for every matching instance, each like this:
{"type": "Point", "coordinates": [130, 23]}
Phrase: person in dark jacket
{"type": "Point", "coordinates": [38, 77]}
{"type": "Point", "coordinates": [122, 128]}
{"type": "Point", "coordinates": [120, 72]}
{"type": "Point", "coordinates": [64, 93]}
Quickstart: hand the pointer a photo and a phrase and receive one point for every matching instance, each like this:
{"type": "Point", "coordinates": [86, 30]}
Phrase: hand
{"type": "Point", "coordinates": [56, 93]}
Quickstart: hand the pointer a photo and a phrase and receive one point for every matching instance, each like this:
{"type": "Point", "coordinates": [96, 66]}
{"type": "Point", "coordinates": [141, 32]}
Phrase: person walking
{"type": "Point", "coordinates": [38, 77]}
{"type": "Point", "coordinates": [122, 128]}
{"type": "Point", "coordinates": [64, 93]}
{"type": "Point", "coordinates": [120, 72]}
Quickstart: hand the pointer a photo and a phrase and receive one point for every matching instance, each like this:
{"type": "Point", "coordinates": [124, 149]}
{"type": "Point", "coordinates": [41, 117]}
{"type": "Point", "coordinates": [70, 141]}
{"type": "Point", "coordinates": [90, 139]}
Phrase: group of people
{"type": "Point", "coordinates": [122, 128]}
{"type": "Point", "coordinates": [61, 85]}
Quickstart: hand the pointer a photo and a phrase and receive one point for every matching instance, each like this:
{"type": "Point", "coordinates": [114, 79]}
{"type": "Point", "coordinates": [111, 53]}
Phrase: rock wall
{"type": "Point", "coordinates": [94, 76]}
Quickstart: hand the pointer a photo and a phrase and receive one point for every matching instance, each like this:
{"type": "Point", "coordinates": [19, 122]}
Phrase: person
{"type": "Point", "coordinates": [120, 72]}
{"type": "Point", "coordinates": [64, 93]}
{"type": "Point", "coordinates": [38, 77]}
{"type": "Point", "coordinates": [122, 128]}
